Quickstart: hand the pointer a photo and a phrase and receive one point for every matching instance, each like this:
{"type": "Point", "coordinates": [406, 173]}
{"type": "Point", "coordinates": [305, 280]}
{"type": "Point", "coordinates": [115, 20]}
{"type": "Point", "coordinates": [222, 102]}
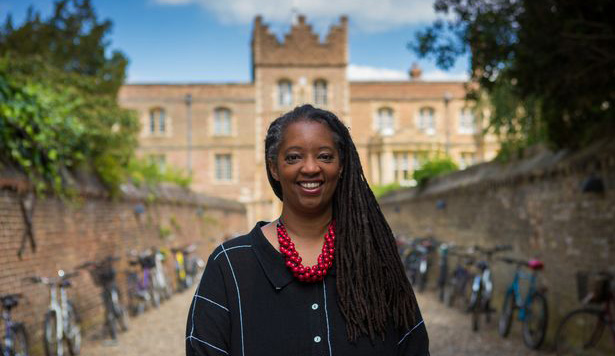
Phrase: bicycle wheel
{"type": "Point", "coordinates": [73, 333]}
{"type": "Point", "coordinates": [50, 337]}
{"type": "Point", "coordinates": [20, 340]}
{"type": "Point", "coordinates": [580, 333]}
{"type": "Point", "coordinates": [535, 323]}
{"type": "Point", "coordinates": [118, 309]}
{"type": "Point", "coordinates": [476, 309]}
{"type": "Point", "coordinates": [506, 314]}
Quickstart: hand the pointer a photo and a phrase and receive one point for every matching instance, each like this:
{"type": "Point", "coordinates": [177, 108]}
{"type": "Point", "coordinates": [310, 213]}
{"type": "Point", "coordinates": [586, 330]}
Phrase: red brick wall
{"type": "Point", "coordinates": [68, 233]}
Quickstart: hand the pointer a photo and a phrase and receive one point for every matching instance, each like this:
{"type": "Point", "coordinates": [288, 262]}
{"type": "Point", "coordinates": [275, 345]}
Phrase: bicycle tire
{"type": "Point", "coordinates": [118, 310]}
{"type": "Point", "coordinates": [506, 314]}
{"type": "Point", "coordinates": [536, 320]}
{"type": "Point", "coordinates": [73, 333]}
{"type": "Point", "coordinates": [50, 334]}
{"type": "Point", "coordinates": [475, 309]}
{"type": "Point", "coordinates": [579, 333]}
{"type": "Point", "coordinates": [20, 340]}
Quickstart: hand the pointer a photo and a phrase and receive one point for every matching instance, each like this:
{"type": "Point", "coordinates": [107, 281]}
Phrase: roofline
{"type": "Point", "coordinates": [185, 83]}
{"type": "Point", "coordinates": [422, 82]}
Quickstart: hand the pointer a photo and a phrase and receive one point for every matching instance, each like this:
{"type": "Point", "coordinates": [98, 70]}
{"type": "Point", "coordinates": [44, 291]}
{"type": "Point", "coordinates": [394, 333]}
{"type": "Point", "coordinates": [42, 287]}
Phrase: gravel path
{"type": "Point", "coordinates": [161, 332]}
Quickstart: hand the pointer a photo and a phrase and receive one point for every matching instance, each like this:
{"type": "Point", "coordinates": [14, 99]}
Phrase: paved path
{"type": "Point", "coordinates": [161, 332]}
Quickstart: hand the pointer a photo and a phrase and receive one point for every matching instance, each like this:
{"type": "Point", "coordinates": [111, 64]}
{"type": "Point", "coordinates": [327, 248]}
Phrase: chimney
{"type": "Point", "coordinates": [415, 72]}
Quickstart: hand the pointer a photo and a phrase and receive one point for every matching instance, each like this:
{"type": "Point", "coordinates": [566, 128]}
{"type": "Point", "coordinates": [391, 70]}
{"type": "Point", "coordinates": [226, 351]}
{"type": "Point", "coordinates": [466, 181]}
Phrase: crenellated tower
{"type": "Point", "coordinates": [301, 69]}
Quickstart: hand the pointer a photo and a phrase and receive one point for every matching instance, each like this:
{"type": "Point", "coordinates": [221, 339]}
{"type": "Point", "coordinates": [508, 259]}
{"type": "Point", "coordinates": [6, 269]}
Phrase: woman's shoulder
{"type": "Point", "coordinates": [238, 242]}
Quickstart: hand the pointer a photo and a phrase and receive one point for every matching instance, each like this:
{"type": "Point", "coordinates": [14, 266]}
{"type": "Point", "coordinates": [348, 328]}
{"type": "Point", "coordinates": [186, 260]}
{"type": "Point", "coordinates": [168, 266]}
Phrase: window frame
{"type": "Point", "coordinates": [219, 171]}
{"type": "Point", "coordinates": [427, 126]}
{"type": "Point", "coordinates": [284, 97]}
{"type": "Point", "coordinates": [218, 125]}
{"type": "Point", "coordinates": [389, 129]}
{"type": "Point", "coordinates": [320, 92]}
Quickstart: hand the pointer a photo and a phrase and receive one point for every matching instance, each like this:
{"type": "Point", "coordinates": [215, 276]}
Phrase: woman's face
{"type": "Point", "coordinates": [307, 166]}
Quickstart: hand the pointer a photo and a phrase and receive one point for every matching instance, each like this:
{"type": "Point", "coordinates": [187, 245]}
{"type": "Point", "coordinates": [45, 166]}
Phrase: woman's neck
{"type": "Point", "coordinates": [306, 229]}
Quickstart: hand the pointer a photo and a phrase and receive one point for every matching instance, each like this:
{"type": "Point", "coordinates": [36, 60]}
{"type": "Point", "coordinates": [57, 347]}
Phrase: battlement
{"type": "Point", "coordinates": [301, 46]}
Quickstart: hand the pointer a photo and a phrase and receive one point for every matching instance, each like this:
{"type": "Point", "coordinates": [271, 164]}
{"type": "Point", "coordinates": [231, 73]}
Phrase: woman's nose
{"type": "Point", "coordinates": [310, 166]}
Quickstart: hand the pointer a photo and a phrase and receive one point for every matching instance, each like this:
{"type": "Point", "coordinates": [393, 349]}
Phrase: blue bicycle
{"type": "Point", "coordinates": [533, 311]}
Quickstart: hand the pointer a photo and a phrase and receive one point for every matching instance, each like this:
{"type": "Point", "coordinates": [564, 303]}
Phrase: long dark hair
{"type": "Point", "coordinates": [371, 282]}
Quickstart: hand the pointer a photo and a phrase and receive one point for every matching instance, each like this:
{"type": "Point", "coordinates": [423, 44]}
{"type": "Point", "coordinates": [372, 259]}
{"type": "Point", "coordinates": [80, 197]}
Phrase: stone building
{"type": "Point", "coordinates": [216, 131]}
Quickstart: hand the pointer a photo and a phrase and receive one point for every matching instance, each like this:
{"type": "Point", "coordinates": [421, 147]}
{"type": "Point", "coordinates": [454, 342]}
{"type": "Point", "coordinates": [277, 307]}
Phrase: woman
{"type": "Point", "coordinates": [322, 279]}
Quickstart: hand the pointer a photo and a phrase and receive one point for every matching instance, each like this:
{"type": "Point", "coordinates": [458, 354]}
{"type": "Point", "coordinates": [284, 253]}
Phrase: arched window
{"type": "Point", "coordinates": [427, 121]}
{"type": "Point", "coordinates": [320, 92]}
{"type": "Point", "coordinates": [385, 122]}
{"type": "Point", "coordinates": [466, 121]}
{"type": "Point", "coordinates": [157, 121]}
{"type": "Point", "coordinates": [285, 92]}
{"type": "Point", "coordinates": [222, 122]}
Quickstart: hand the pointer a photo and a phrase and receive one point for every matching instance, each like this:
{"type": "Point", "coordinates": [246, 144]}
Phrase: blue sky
{"type": "Point", "coordinates": [209, 40]}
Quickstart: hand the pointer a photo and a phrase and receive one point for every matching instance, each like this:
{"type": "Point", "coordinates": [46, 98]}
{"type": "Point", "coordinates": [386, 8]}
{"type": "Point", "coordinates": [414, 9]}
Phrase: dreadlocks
{"type": "Point", "coordinates": [372, 286]}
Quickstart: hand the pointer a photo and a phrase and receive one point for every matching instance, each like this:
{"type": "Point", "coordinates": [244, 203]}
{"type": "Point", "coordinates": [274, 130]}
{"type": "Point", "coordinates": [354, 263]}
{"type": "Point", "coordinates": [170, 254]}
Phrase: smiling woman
{"type": "Point", "coordinates": [322, 279]}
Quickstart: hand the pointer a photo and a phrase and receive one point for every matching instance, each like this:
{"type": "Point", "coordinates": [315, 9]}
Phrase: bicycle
{"type": "Point", "coordinates": [187, 267]}
{"type": "Point", "coordinates": [580, 331]}
{"type": "Point", "coordinates": [443, 253]}
{"type": "Point", "coordinates": [456, 287]}
{"type": "Point", "coordinates": [533, 311]}
{"type": "Point", "coordinates": [62, 323]}
{"type": "Point", "coordinates": [103, 274]}
{"type": "Point", "coordinates": [15, 337]}
{"type": "Point", "coordinates": [482, 285]}
{"type": "Point", "coordinates": [160, 279]}
{"type": "Point", "coordinates": [418, 262]}
{"type": "Point", "coordinates": [141, 291]}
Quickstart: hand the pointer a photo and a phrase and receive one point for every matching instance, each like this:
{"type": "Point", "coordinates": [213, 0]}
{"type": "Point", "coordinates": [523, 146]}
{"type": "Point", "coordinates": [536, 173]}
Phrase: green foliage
{"type": "Point", "coordinates": [58, 104]}
{"type": "Point", "coordinates": [146, 172]}
{"type": "Point", "coordinates": [545, 65]}
{"type": "Point", "coordinates": [434, 168]}
{"type": "Point", "coordinates": [381, 190]}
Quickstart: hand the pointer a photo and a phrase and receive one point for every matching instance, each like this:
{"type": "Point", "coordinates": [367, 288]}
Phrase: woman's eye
{"type": "Point", "coordinates": [327, 157]}
{"type": "Point", "coordinates": [292, 158]}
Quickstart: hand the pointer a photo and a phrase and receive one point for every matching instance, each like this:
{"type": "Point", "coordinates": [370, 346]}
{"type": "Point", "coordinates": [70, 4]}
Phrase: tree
{"type": "Point", "coordinates": [547, 66]}
{"type": "Point", "coordinates": [433, 168]}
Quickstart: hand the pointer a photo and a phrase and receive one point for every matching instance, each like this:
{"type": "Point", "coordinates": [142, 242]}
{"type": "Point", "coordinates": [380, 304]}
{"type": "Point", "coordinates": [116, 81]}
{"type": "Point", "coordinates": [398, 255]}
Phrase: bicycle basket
{"type": "Point", "coordinates": [592, 288]}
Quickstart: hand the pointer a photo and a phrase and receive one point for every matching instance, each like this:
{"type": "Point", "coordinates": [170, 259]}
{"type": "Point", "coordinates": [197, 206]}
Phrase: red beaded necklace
{"type": "Point", "coordinates": [315, 273]}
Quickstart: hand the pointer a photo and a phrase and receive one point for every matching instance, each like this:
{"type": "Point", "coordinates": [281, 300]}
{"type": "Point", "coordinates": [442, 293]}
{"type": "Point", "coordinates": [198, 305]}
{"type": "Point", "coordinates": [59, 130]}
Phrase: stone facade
{"type": "Point", "coordinates": [218, 131]}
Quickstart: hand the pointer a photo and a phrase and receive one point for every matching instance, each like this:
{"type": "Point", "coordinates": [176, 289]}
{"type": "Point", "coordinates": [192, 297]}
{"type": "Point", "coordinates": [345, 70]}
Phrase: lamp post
{"type": "Point", "coordinates": [447, 130]}
{"type": "Point", "coordinates": [188, 101]}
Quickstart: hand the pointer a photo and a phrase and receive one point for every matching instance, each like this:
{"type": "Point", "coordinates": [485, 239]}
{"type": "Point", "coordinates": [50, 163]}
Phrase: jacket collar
{"type": "Point", "coordinates": [272, 261]}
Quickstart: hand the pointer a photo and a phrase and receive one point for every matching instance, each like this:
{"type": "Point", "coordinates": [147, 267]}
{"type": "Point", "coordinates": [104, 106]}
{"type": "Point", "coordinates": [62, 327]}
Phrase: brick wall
{"type": "Point", "coordinates": [536, 205]}
{"type": "Point", "coordinates": [68, 233]}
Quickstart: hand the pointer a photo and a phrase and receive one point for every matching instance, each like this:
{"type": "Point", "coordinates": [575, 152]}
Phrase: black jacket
{"type": "Point", "coordinates": [248, 303]}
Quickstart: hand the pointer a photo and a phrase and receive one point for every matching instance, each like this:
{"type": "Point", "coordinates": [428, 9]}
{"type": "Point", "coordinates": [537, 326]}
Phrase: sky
{"type": "Point", "coordinates": [202, 41]}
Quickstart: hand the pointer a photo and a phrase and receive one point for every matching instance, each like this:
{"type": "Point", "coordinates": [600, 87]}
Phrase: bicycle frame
{"type": "Point", "coordinates": [521, 302]}
{"type": "Point", "coordinates": [8, 335]}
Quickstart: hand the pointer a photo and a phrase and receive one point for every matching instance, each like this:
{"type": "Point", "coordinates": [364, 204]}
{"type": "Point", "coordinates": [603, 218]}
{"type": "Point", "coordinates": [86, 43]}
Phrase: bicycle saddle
{"type": "Point", "coordinates": [535, 265]}
{"type": "Point", "coordinates": [9, 301]}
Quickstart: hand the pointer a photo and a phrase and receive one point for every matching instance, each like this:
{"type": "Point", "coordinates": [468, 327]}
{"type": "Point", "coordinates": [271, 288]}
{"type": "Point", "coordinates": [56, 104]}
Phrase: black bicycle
{"type": "Point", "coordinates": [457, 287]}
{"type": "Point", "coordinates": [15, 337]}
{"type": "Point", "coordinates": [418, 261]}
{"type": "Point", "coordinates": [103, 274]}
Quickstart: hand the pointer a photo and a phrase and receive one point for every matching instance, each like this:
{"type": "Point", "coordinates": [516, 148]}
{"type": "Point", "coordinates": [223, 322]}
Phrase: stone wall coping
{"type": "Point", "coordinates": [541, 163]}
{"type": "Point", "coordinates": [89, 186]}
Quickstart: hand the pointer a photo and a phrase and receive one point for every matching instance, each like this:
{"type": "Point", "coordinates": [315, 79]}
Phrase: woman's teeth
{"type": "Point", "coordinates": [310, 185]}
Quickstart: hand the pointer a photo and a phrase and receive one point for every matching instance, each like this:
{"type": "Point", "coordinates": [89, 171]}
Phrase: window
{"type": "Point", "coordinates": [385, 121]}
{"type": "Point", "coordinates": [418, 159]}
{"type": "Point", "coordinates": [320, 92]}
{"type": "Point", "coordinates": [157, 121]}
{"type": "Point", "coordinates": [467, 159]}
{"type": "Point", "coordinates": [224, 167]}
{"type": "Point", "coordinates": [427, 123]}
{"type": "Point", "coordinates": [222, 122]}
{"type": "Point", "coordinates": [403, 173]}
{"type": "Point", "coordinates": [285, 93]}
{"type": "Point", "coordinates": [466, 121]}
{"type": "Point", "coordinates": [159, 160]}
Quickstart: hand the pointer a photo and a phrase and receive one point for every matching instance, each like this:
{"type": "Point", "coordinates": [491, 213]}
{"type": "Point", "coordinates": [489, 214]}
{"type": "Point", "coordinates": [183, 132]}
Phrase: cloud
{"type": "Point", "coordinates": [366, 73]}
{"type": "Point", "coordinates": [366, 15]}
